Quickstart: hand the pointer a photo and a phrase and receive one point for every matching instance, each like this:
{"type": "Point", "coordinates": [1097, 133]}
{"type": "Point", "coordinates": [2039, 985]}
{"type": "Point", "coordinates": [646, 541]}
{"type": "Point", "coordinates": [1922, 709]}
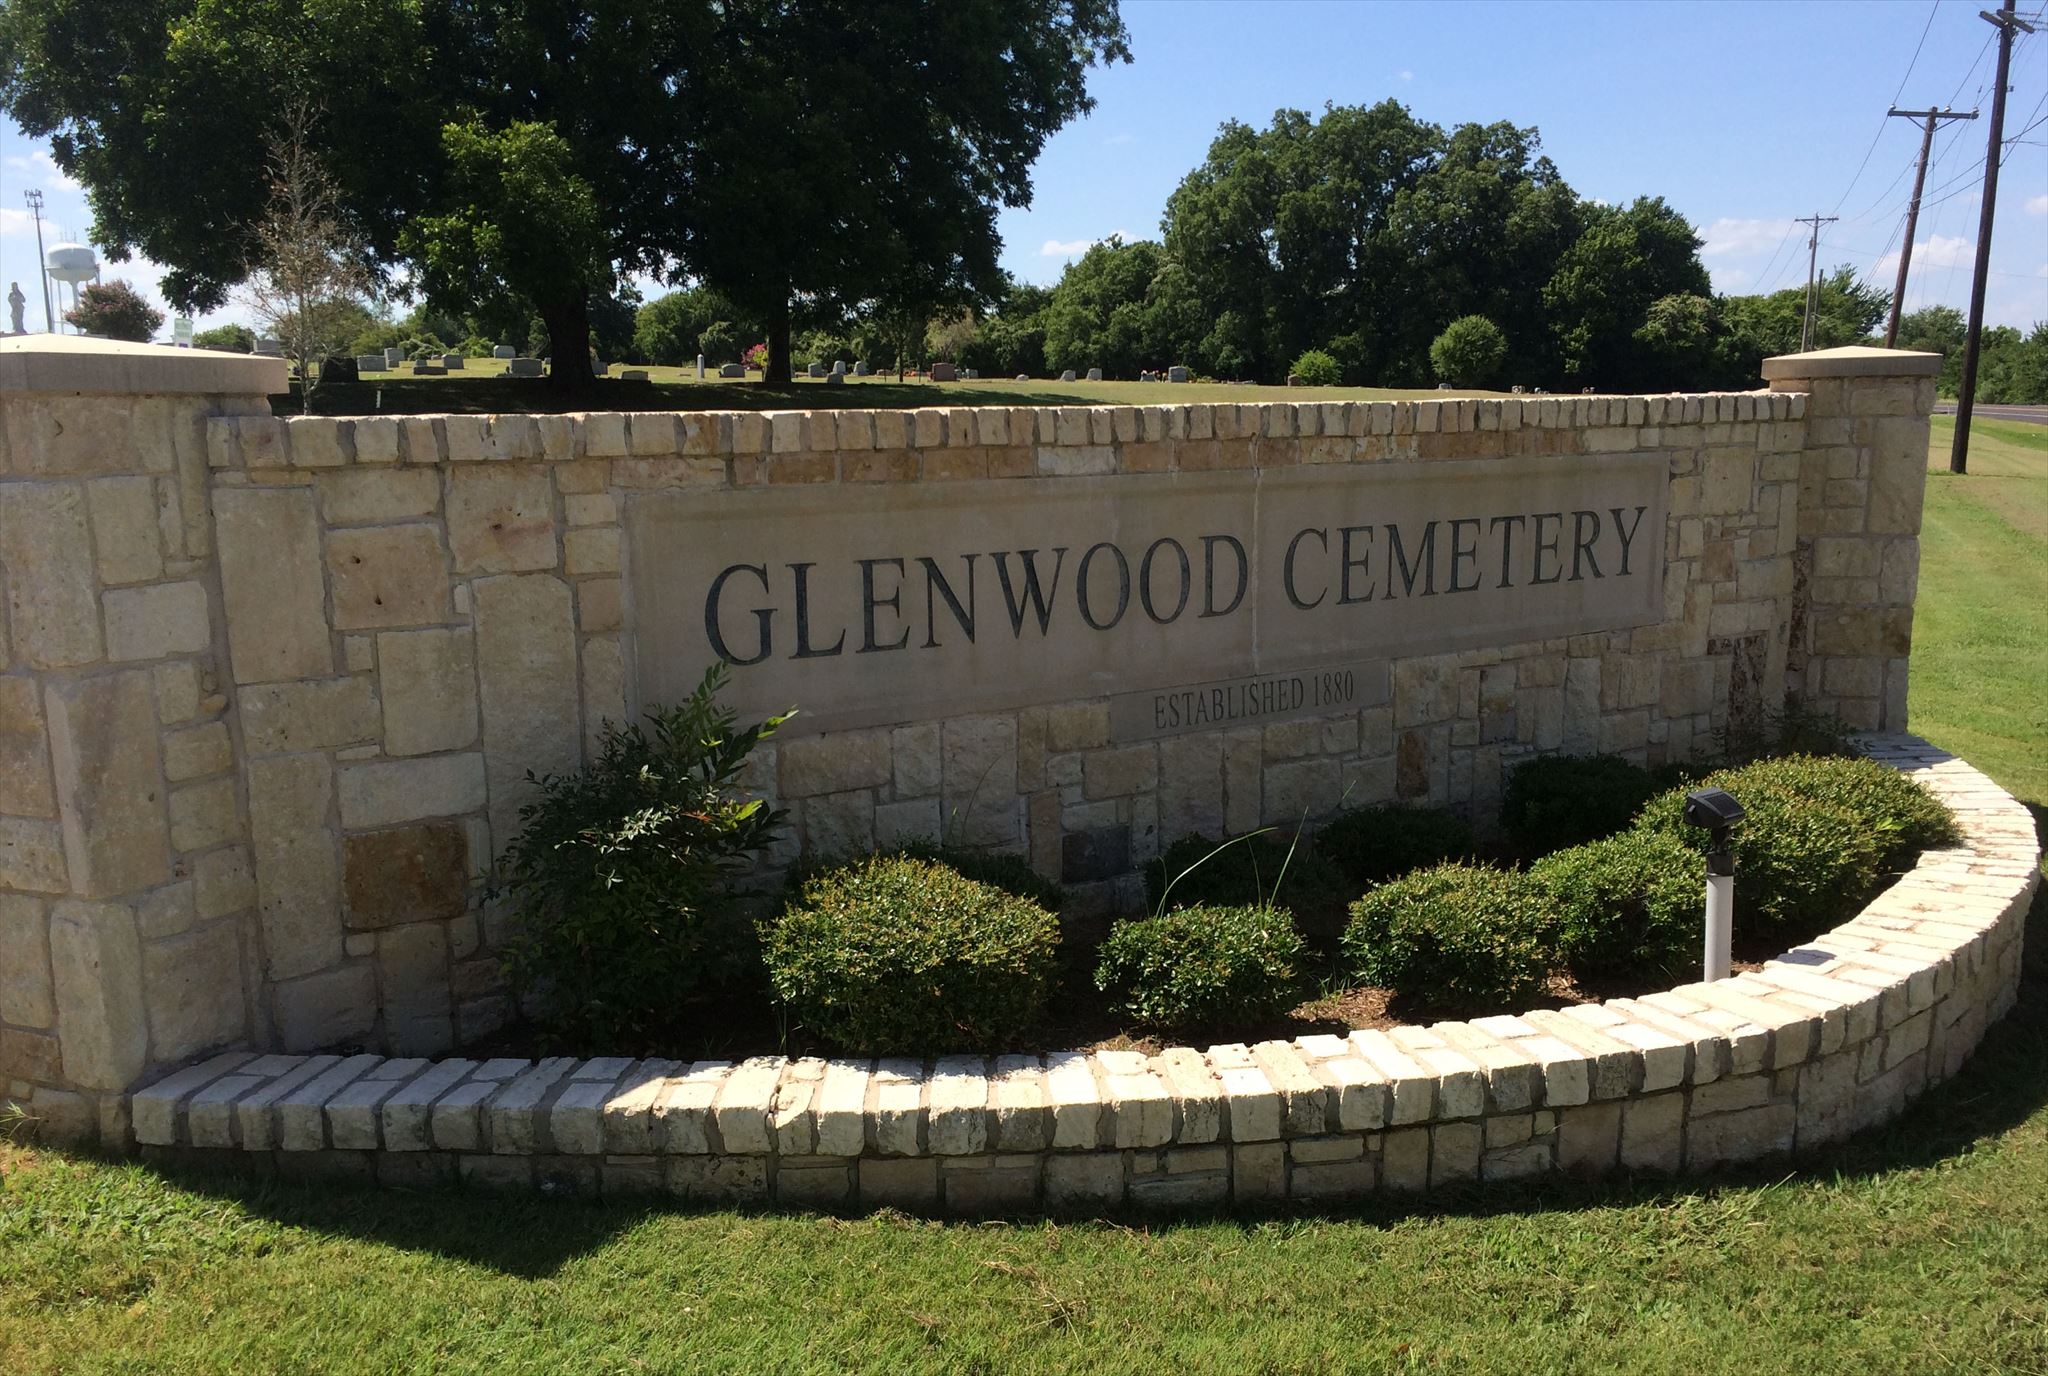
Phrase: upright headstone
{"type": "Point", "coordinates": [1067, 375]}
{"type": "Point", "coordinates": [974, 374]}
{"type": "Point", "coordinates": [700, 365]}
{"type": "Point", "coordinates": [392, 357]}
{"type": "Point", "coordinates": [1177, 373]}
{"type": "Point", "coordinates": [1095, 374]}
{"type": "Point", "coordinates": [268, 347]}
{"type": "Point", "coordinates": [945, 372]}
{"type": "Point", "coordinates": [370, 363]}
{"type": "Point", "coordinates": [454, 363]}
{"type": "Point", "coordinates": [504, 351]}
{"type": "Point", "coordinates": [816, 370]}
{"type": "Point", "coordinates": [731, 370]}
{"type": "Point", "coordinates": [835, 379]}
{"type": "Point", "coordinates": [860, 368]}
{"type": "Point", "coordinates": [839, 367]}
{"type": "Point", "coordinates": [525, 367]}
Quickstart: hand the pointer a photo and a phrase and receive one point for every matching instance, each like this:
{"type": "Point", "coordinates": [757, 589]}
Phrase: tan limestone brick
{"type": "Point", "coordinates": [298, 871]}
{"type": "Point", "coordinates": [501, 518]}
{"type": "Point", "coordinates": [427, 681]}
{"type": "Point", "coordinates": [272, 584]}
{"type": "Point", "coordinates": [46, 558]}
{"type": "Point", "coordinates": [388, 576]}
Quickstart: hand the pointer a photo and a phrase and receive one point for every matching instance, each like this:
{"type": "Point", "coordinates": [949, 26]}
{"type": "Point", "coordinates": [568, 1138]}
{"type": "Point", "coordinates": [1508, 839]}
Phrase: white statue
{"type": "Point", "coordinates": [15, 302]}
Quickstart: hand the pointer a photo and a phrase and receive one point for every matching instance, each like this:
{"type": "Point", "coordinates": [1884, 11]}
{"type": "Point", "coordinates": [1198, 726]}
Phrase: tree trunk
{"type": "Point", "coordinates": [568, 322]}
{"type": "Point", "coordinates": [777, 373]}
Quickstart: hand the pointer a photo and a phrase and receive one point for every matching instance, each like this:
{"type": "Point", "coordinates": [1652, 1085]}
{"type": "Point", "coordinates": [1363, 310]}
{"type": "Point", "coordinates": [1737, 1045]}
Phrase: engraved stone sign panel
{"type": "Point", "coordinates": [863, 605]}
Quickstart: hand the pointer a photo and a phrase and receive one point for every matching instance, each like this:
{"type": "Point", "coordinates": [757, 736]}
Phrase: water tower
{"type": "Point", "coordinates": [73, 263]}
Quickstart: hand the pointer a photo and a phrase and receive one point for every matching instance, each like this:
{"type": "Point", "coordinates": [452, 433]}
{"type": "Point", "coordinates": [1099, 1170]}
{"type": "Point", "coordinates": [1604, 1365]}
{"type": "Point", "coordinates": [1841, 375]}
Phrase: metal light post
{"type": "Point", "coordinates": [1717, 812]}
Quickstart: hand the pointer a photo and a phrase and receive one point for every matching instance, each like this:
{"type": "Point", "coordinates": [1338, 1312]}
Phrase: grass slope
{"type": "Point", "coordinates": [1922, 1247]}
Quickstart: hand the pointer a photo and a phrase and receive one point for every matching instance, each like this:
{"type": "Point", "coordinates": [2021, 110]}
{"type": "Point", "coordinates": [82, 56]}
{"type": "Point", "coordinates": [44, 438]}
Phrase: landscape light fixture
{"type": "Point", "coordinates": [1716, 811]}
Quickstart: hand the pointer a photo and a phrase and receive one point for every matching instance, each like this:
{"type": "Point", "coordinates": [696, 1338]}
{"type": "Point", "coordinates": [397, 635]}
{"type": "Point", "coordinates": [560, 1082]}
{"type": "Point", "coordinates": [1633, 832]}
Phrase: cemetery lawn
{"type": "Point", "coordinates": [482, 386]}
{"type": "Point", "coordinates": [1923, 1246]}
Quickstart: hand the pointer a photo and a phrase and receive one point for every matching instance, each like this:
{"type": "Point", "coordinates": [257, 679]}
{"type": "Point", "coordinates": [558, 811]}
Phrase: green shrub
{"type": "Point", "coordinates": [1904, 816]}
{"type": "Point", "coordinates": [896, 954]}
{"type": "Point", "coordinates": [1633, 903]}
{"type": "Point", "coordinates": [620, 878]}
{"type": "Point", "coordinates": [1469, 352]}
{"type": "Point", "coordinates": [1374, 844]}
{"type": "Point", "coordinates": [1200, 967]}
{"type": "Point", "coordinates": [1809, 849]}
{"type": "Point", "coordinates": [1454, 936]}
{"type": "Point", "coordinates": [1252, 871]}
{"type": "Point", "coordinates": [1556, 801]}
{"type": "Point", "coordinates": [1315, 369]}
{"type": "Point", "coordinates": [1010, 873]}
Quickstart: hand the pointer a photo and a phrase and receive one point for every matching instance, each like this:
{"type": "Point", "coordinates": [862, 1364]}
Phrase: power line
{"type": "Point", "coordinates": [1812, 259]}
{"type": "Point", "coordinates": [1911, 63]}
{"type": "Point", "coordinates": [1933, 120]}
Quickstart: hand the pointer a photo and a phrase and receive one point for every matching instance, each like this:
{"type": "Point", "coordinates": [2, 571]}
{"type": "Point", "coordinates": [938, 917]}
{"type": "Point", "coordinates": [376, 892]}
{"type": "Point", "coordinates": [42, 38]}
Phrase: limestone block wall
{"type": "Point", "coordinates": [1862, 481]}
{"type": "Point", "coordinates": [128, 931]}
{"type": "Point", "coordinates": [276, 749]}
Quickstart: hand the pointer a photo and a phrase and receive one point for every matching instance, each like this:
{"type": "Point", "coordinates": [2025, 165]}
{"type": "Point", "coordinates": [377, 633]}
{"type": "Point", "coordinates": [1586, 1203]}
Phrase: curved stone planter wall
{"type": "Point", "coordinates": [1828, 1038]}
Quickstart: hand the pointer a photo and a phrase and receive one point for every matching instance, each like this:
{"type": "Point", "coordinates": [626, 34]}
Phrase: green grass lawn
{"type": "Point", "coordinates": [482, 386]}
{"type": "Point", "coordinates": [1919, 1248]}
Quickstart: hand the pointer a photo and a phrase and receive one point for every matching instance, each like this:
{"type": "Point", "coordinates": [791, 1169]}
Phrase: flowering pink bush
{"type": "Point", "coordinates": [756, 357]}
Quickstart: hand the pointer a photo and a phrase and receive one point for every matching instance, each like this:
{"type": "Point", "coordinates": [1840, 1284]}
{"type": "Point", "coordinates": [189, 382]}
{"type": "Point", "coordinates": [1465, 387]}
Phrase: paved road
{"type": "Point", "coordinates": [2030, 415]}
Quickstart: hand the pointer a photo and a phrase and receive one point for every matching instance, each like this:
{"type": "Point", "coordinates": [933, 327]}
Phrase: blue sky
{"type": "Point", "coordinates": [1742, 115]}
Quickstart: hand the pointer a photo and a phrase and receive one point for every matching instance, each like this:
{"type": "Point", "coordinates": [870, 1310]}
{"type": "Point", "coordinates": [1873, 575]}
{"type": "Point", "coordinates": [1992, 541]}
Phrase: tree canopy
{"type": "Point", "coordinates": [575, 144]}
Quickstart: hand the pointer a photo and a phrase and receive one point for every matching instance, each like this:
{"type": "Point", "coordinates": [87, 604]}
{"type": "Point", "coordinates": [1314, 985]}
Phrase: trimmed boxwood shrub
{"type": "Point", "coordinates": [1556, 801]}
{"type": "Point", "coordinates": [1628, 904]}
{"type": "Point", "coordinates": [1374, 844]}
{"type": "Point", "coordinates": [1245, 872]}
{"type": "Point", "coordinates": [1202, 966]}
{"type": "Point", "coordinates": [1010, 873]}
{"type": "Point", "coordinates": [897, 954]}
{"type": "Point", "coordinates": [1818, 834]}
{"type": "Point", "coordinates": [1453, 936]}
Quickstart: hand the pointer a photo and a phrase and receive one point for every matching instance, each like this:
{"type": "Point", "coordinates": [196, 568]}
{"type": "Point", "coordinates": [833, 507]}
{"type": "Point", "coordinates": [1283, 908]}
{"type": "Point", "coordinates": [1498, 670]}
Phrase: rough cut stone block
{"type": "Point", "coordinates": [96, 958]}
{"type": "Point", "coordinates": [628, 1113]}
{"type": "Point", "coordinates": [1410, 1085]}
{"type": "Point", "coordinates": [388, 576]}
{"type": "Point", "coordinates": [255, 1124]}
{"type": "Point", "coordinates": [153, 1112]}
{"type": "Point", "coordinates": [317, 714]}
{"type": "Point", "coordinates": [326, 1008]}
{"type": "Point", "coordinates": [51, 592]}
{"type": "Point", "coordinates": [517, 1123]}
{"type": "Point", "coordinates": [103, 746]}
{"type": "Point", "coordinates": [1084, 1180]}
{"type": "Point", "coordinates": [26, 999]}
{"type": "Point", "coordinates": [272, 583]}
{"type": "Point", "coordinates": [1076, 1101]}
{"type": "Point", "coordinates": [526, 667]}
{"type": "Point", "coordinates": [298, 873]}
{"type": "Point", "coordinates": [428, 682]}
{"type": "Point", "coordinates": [743, 1105]}
{"type": "Point", "coordinates": [355, 1112]}
{"type": "Point", "coordinates": [959, 1107]}
{"type": "Point", "coordinates": [418, 873]}
{"type": "Point", "coordinates": [157, 621]}
{"type": "Point", "coordinates": [193, 985]}
{"type": "Point", "coordinates": [391, 791]}
{"type": "Point", "coordinates": [683, 1114]}
{"type": "Point", "coordinates": [501, 518]}
{"type": "Point", "coordinates": [407, 1113]}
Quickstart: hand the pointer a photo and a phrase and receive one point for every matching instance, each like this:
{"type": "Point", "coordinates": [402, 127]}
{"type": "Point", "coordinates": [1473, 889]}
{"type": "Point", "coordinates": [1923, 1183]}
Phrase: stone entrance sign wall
{"type": "Point", "coordinates": [270, 690]}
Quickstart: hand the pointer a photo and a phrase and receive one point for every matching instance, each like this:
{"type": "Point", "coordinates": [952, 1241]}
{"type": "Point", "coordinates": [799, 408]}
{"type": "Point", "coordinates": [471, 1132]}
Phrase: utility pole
{"type": "Point", "coordinates": [2005, 21]}
{"type": "Point", "coordinates": [35, 208]}
{"type": "Point", "coordinates": [1812, 259]}
{"type": "Point", "coordinates": [1933, 118]}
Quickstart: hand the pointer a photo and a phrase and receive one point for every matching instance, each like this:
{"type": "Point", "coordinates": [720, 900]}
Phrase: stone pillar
{"type": "Point", "coordinates": [1862, 479]}
{"type": "Point", "coordinates": [126, 906]}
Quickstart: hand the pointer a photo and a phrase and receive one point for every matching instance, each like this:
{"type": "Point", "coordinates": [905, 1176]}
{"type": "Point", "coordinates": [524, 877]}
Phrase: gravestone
{"type": "Point", "coordinates": [1067, 375]}
{"type": "Point", "coordinates": [632, 375]}
{"type": "Point", "coordinates": [339, 369]}
{"type": "Point", "coordinates": [268, 347]}
{"type": "Point", "coordinates": [370, 363]}
{"type": "Point", "coordinates": [1518, 389]}
{"type": "Point", "coordinates": [504, 351]}
{"type": "Point", "coordinates": [835, 379]}
{"type": "Point", "coordinates": [392, 357]}
{"type": "Point", "coordinates": [945, 372]}
{"type": "Point", "coordinates": [839, 367]}
{"type": "Point", "coordinates": [731, 370]}
{"type": "Point", "coordinates": [1095, 374]}
{"type": "Point", "coordinates": [422, 368]}
{"type": "Point", "coordinates": [700, 365]}
{"type": "Point", "coordinates": [1294, 379]}
{"type": "Point", "coordinates": [1023, 377]}
{"type": "Point", "coordinates": [860, 368]}
{"type": "Point", "coordinates": [1445, 387]}
{"type": "Point", "coordinates": [816, 370]}
{"type": "Point", "coordinates": [601, 369]}
{"type": "Point", "coordinates": [974, 374]}
{"type": "Point", "coordinates": [525, 367]}
{"type": "Point", "coordinates": [454, 363]}
{"type": "Point", "coordinates": [1177, 373]}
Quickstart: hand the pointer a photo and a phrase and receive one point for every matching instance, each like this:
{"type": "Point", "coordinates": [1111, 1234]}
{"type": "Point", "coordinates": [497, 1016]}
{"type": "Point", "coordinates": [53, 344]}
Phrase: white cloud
{"type": "Point", "coordinates": [1121, 140]}
{"type": "Point", "coordinates": [1728, 238]}
{"type": "Point", "coordinates": [53, 175]}
{"type": "Point", "coordinates": [1074, 248]}
{"type": "Point", "coordinates": [1407, 75]}
{"type": "Point", "coordinates": [1939, 251]}
{"type": "Point", "coordinates": [15, 222]}
{"type": "Point", "coordinates": [2038, 205]}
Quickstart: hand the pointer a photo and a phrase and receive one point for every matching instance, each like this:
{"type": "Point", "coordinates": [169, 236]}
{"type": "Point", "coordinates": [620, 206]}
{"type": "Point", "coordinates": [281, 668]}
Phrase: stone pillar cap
{"type": "Point", "coordinates": [78, 363]}
{"type": "Point", "coordinates": [1852, 360]}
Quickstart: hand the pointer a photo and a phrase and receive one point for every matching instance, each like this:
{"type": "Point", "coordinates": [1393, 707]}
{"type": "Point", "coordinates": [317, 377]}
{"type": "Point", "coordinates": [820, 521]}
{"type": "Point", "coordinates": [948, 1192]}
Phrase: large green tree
{"type": "Point", "coordinates": [854, 153]}
{"type": "Point", "coordinates": [1105, 314]}
{"type": "Point", "coordinates": [1604, 285]}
